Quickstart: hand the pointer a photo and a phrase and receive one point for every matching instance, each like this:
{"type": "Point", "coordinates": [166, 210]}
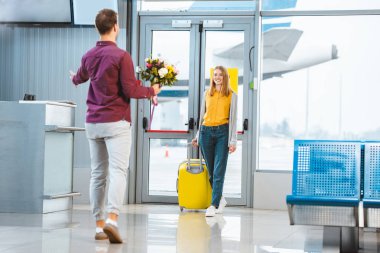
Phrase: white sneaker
{"type": "Point", "coordinates": [210, 212]}
{"type": "Point", "coordinates": [222, 204]}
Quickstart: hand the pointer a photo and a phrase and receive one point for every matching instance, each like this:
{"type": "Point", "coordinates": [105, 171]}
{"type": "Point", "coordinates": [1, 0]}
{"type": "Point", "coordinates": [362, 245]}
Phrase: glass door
{"type": "Point", "coordinates": [194, 45]}
{"type": "Point", "coordinates": [229, 46]}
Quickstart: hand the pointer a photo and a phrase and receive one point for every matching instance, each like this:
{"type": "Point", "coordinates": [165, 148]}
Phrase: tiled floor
{"type": "Point", "coordinates": [162, 228]}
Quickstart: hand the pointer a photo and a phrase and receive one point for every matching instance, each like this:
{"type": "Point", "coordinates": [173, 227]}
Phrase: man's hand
{"type": "Point", "coordinates": [232, 148]}
{"type": "Point", "coordinates": [72, 74]}
{"type": "Point", "coordinates": [156, 88]}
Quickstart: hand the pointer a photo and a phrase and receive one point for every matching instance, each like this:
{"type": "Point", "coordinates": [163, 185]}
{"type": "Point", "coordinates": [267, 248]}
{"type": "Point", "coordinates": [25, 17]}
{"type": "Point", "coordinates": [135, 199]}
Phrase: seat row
{"type": "Point", "coordinates": [331, 179]}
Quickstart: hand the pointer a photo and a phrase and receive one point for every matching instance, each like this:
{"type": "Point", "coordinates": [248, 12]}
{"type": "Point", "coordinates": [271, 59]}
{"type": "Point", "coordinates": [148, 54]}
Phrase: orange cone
{"type": "Point", "coordinates": [166, 151]}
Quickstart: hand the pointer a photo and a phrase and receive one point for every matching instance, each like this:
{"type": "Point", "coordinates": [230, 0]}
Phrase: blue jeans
{"type": "Point", "coordinates": [213, 142]}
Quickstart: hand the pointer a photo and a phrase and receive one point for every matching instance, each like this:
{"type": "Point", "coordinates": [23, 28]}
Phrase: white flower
{"type": "Point", "coordinates": [162, 72]}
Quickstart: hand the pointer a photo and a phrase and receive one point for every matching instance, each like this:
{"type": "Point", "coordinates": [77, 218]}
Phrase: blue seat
{"type": "Point", "coordinates": [326, 183]}
{"type": "Point", "coordinates": [371, 197]}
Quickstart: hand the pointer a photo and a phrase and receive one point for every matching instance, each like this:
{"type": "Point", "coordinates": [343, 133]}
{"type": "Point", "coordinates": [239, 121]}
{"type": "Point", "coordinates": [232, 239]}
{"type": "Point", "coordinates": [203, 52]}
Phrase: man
{"type": "Point", "coordinates": [108, 128]}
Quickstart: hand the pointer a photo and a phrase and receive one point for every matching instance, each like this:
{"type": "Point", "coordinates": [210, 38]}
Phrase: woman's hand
{"type": "Point", "coordinates": [194, 142]}
{"type": "Point", "coordinates": [232, 148]}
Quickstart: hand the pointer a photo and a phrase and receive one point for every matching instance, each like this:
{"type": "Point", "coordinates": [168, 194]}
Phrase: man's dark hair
{"type": "Point", "coordinates": [105, 20]}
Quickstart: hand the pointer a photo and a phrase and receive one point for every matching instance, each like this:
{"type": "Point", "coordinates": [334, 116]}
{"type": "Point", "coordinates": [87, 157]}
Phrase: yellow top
{"type": "Point", "coordinates": [217, 109]}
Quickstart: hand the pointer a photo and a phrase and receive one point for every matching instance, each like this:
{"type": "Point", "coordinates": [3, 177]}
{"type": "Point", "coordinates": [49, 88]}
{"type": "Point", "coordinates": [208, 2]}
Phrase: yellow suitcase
{"type": "Point", "coordinates": [193, 185]}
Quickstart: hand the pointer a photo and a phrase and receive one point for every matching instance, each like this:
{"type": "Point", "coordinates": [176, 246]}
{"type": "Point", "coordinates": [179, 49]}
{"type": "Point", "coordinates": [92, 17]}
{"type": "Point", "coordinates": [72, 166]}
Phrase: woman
{"type": "Point", "coordinates": [217, 134]}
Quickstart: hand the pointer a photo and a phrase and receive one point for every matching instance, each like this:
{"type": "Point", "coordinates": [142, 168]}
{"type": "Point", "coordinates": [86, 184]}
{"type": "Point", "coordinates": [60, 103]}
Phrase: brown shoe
{"type": "Point", "coordinates": [112, 233]}
{"type": "Point", "coordinates": [101, 236]}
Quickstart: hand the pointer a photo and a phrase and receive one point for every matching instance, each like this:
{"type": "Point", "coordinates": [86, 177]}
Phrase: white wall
{"type": "Point", "coordinates": [270, 190]}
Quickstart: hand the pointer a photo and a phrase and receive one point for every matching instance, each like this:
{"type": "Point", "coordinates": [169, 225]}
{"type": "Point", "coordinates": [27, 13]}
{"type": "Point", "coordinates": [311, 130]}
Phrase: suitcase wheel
{"type": "Point", "coordinates": [181, 208]}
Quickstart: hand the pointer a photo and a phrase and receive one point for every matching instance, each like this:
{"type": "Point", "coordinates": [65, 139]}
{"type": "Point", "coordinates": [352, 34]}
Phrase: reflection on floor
{"type": "Point", "coordinates": [162, 228]}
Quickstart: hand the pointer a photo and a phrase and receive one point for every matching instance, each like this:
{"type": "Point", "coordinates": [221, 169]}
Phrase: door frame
{"type": "Point", "coordinates": [162, 20]}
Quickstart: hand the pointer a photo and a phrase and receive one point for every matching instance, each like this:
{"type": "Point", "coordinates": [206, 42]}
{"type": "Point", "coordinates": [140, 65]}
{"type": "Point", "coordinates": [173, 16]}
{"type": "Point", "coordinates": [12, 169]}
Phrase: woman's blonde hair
{"type": "Point", "coordinates": [225, 90]}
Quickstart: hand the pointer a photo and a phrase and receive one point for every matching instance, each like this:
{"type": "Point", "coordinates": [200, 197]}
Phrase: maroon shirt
{"type": "Point", "coordinates": [112, 84]}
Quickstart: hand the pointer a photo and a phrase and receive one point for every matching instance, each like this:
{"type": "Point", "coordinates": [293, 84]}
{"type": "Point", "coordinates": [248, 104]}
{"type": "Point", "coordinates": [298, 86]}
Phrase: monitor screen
{"type": "Point", "coordinates": [35, 11]}
{"type": "Point", "coordinates": [85, 10]}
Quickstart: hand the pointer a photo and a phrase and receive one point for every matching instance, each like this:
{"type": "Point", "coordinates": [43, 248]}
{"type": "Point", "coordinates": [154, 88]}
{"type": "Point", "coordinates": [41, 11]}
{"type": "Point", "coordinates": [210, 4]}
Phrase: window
{"type": "Point", "coordinates": [319, 82]}
{"type": "Point", "coordinates": [320, 5]}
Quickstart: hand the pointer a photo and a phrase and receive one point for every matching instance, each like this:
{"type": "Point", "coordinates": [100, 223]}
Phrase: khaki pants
{"type": "Point", "coordinates": [110, 145]}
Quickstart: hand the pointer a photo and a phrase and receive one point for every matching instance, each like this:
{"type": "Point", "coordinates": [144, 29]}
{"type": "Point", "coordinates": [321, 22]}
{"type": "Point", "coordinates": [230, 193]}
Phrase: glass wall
{"type": "Point", "coordinates": [320, 81]}
{"type": "Point", "coordinates": [320, 4]}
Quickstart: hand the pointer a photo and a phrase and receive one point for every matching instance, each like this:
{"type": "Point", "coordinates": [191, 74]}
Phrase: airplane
{"type": "Point", "coordinates": [284, 48]}
{"type": "Point", "coordinates": [283, 52]}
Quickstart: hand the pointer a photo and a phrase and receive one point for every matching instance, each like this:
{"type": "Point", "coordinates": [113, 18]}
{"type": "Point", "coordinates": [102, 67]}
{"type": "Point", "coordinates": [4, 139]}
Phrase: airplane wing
{"type": "Point", "coordinates": [279, 43]}
{"type": "Point", "coordinates": [234, 52]}
{"type": "Point", "coordinates": [303, 56]}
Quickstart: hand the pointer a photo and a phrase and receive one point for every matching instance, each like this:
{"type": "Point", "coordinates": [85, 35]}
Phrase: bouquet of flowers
{"type": "Point", "coordinates": [158, 71]}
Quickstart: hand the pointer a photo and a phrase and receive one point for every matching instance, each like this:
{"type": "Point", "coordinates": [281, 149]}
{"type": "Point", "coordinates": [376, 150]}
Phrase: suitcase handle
{"type": "Point", "coordinates": [188, 167]}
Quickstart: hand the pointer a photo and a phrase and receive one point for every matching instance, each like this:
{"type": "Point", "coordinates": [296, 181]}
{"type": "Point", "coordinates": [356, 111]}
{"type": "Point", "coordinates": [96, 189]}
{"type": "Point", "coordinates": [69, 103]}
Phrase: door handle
{"type": "Point", "coordinates": [245, 125]}
{"type": "Point", "coordinates": [190, 124]}
{"type": "Point", "coordinates": [145, 122]}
